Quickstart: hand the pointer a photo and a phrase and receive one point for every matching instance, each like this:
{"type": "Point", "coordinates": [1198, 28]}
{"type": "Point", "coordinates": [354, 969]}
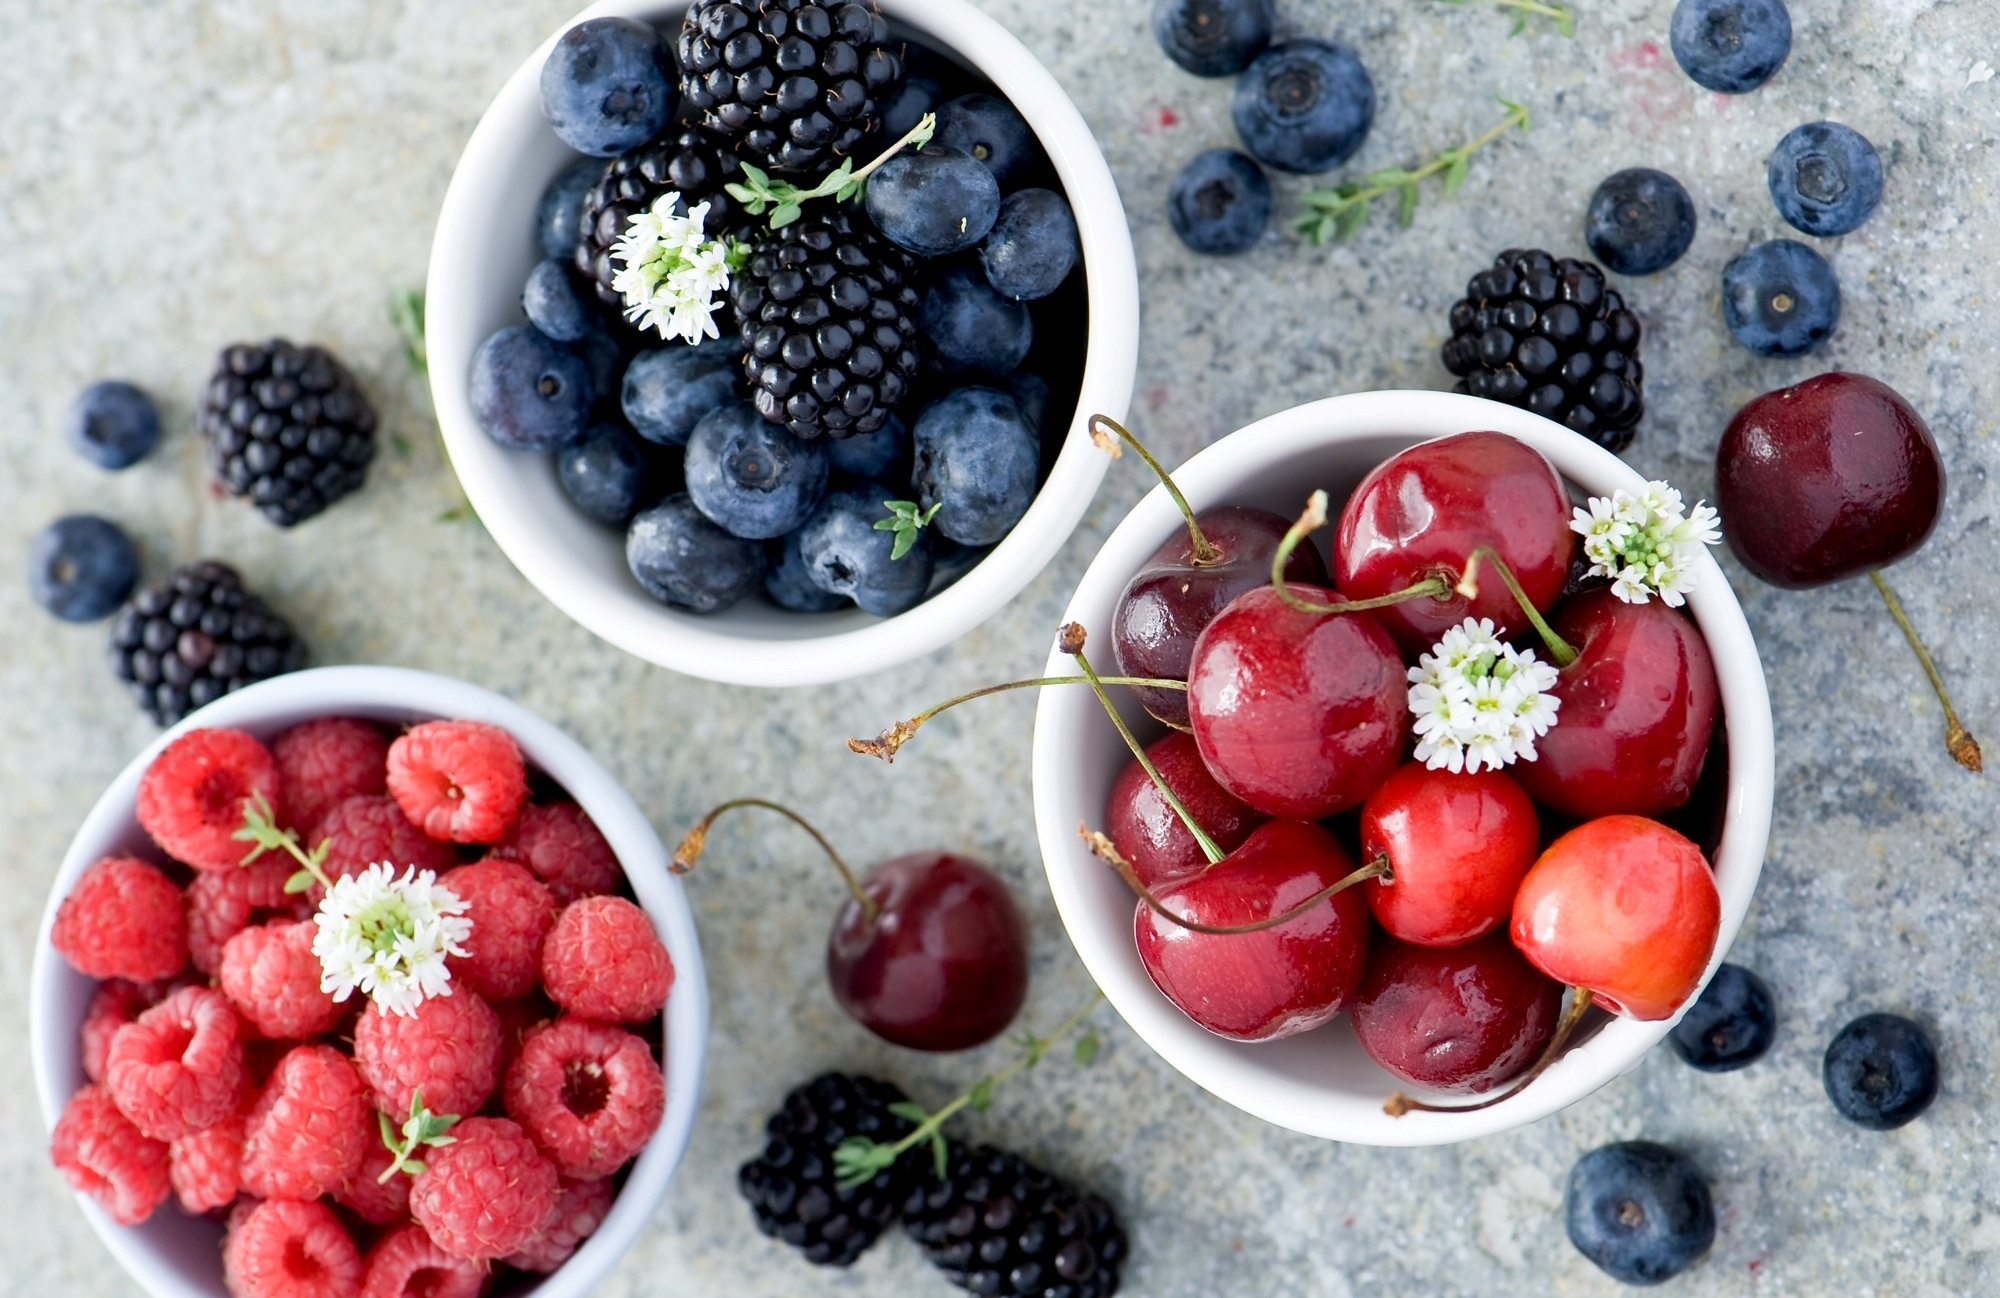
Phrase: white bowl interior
{"type": "Point", "coordinates": [1321, 1082]}
{"type": "Point", "coordinates": [173, 1255]}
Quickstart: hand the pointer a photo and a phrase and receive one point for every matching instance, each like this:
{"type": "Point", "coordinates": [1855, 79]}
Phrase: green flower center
{"type": "Point", "coordinates": [383, 923]}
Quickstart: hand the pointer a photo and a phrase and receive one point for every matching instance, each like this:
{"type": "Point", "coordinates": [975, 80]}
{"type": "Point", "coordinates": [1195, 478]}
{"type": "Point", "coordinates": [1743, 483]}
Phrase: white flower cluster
{"type": "Point", "coordinates": [1480, 702]}
{"type": "Point", "coordinates": [1644, 543]}
{"type": "Point", "coordinates": [388, 937]}
{"type": "Point", "coordinates": [672, 272]}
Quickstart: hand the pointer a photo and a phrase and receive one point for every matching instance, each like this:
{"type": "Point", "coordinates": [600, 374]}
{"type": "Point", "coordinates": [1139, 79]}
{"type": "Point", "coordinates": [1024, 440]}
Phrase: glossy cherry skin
{"type": "Point", "coordinates": [1638, 706]}
{"type": "Point", "coordinates": [1276, 982]}
{"type": "Point", "coordinates": [1458, 846]}
{"type": "Point", "coordinates": [1458, 1019]}
{"type": "Point", "coordinates": [1169, 600]}
{"type": "Point", "coordinates": [1831, 477]}
{"type": "Point", "coordinates": [1148, 833]}
{"type": "Point", "coordinates": [1624, 906]}
{"type": "Point", "coordinates": [1298, 714]}
{"type": "Point", "coordinates": [945, 964]}
{"type": "Point", "coordinates": [1425, 510]}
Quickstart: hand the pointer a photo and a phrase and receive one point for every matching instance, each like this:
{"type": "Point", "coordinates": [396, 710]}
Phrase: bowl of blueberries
{"type": "Point", "coordinates": [763, 334]}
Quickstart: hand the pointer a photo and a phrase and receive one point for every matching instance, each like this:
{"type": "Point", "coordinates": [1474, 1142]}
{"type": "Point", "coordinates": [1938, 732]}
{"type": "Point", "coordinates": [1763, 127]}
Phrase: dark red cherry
{"type": "Point", "coordinates": [1274, 982]}
{"type": "Point", "coordinates": [1457, 845]}
{"type": "Point", "coordinates": [1638, 706]}
{"type": "Point", "coordinates": [1148, 833]}
{"type": "Point", "coordinates": [1422, 513]}
{"type": "Point", "coordinates": [944, 966]}
{"type": "Point", "coordinates": [1460, 1019]}
{"type": "Point", "coordinates": [1169, 600]}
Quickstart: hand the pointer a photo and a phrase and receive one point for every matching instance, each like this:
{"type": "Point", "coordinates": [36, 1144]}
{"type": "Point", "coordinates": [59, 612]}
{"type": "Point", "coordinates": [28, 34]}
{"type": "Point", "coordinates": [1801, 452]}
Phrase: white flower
{"type": "Point", "coordinates": [389, 937]}
{"type": "Point", "coordinates": [1980, 71]}
{"type": "Point", "coordinates": [1644, 543]}
{"type": "Point", "coordinates": [671, 271]}
{"type": "Point", "coordinates": [1480, 703]}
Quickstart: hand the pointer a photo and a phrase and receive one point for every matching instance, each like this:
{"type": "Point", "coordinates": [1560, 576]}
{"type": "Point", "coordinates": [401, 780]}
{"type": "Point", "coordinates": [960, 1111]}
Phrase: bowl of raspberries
{"type": "Point", "coordinates": [364, 980]}
{"type": "Point", "coordinates": [763, 334]}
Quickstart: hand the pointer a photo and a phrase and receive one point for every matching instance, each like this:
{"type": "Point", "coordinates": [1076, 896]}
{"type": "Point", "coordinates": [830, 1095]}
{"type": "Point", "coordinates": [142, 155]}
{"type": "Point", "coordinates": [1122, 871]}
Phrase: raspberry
{"type": "Point", "coordinates": [459, 780]}
{"type": "Point", "coordinates": [510, 912]}
{"type": "Point", "coordinates": [222, 903]}
{"type": "Point", "coordinates": [123, 920]}
{"type": "Point", "coordinates": [485, 1194]}
{"type": "Point", "coordinates": [103, 1155]}
{"type": "Point", "coordinates": [517, 1020]}
{"type": "Point", "coordinates": [373, 1200]}
{"type": "Point", "coordinates": [370, 827]}
{"type": "Point", "coordinates": [310, 1127]}
{"type": "Point", "coordinates": [602, 960]}
{"type": "Point", "coordinates": [178, 1067]}
{"type": "Point", "coordinates": [580, 1209]}
{"type": "Point", "coordinates": [112, 1006]}
{"type": "Point", "coordinates": [207, 1166]}
{"type": "Point", "coordinates": [565, 849]}
{"type": "Point", "coordinates": [286, 1249]}
{"type": "Point", "coordinates": [270, 974]}
{"type": "Point", "coordinates": [589, 1094]}
{"type": "Point", "coordinates": [326, 761]}
{"type": "Point", "coordinates": [449, 1049]}
{"type": "Point", "coordinates": [191, 798]}
{"type": "Point", "coordinates": [406, 1264]}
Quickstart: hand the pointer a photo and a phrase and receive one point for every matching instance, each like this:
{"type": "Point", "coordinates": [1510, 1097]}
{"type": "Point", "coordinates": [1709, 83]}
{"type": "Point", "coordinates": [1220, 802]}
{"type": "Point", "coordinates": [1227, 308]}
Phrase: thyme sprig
{"type": "Point", "coordinates": [786, 201]}
{"type": "Point", "coordinates": [1565, 19]}
{"type": "Point", "coordinates": [1339, 213]}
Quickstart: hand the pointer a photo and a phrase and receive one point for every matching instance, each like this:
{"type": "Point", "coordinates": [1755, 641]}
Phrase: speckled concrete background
{"type": "Point", "coordinates": [178, 174]}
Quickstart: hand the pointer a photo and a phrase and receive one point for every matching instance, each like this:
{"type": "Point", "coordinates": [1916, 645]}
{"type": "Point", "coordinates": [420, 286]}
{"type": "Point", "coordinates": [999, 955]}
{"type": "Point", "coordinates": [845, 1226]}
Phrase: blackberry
{"type": "Point", "coordinates": [791, 1186]}
{"type": "Point", "coordinates": [287, 427]}
{"type": "Point", "coordinates": [187, 641]}
{"type": "Point", "coordinates": [828, 312]}
{"type": "Point", "coordinates": [997, 1224]}
{"type": "Point", "coordinates": [1547, 335]}
{"type": "Point", "coordinates": [689, 163]}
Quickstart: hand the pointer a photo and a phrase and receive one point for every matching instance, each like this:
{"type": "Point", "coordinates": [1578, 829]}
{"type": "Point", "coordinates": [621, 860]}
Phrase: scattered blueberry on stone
{"type": "Point", "coordinates": [846, 554]}
{"type": "Point", "coordinates": [1730, 46]}
{"type": "Point", "coordinates": [969, 326]}
{"type": "Point", "coordinates": [1032, 247]}
{"type": "Point", "coordinates": [82, 567]}
{"type": "Point", "coordinates": [753, 478]}
{"type": "Point", "coordinates": [1780, 299]}
{"type": "Point", "coordinates": [528, 391]}
{"type": "Point", "coordinates": [876, 455]}
{"type": "Point", "coordinates": [1881, 1071]}
{"type": "Point", "coordinates": [933, 201]}
{"type": "Point", "coordinates": [1305, 105]}
{"type": "Point", "coordinates": [112, 424]}
{"type": "Point", "coordinates": [1730, 1025]}
{"type": "Point", "coordinates": [1220, 203]}
{"type": "Point", "coordinates": [667, 392]}
{"type": "Point", "coordinates": [608, 85]}
{"type": "Point", "coordinates": [992, 131]}
{"type": "Point", "coordinates": [977, 459]}
{"type": "Point", "coordinates": [789, 581]}
{"type": "Point", "coordinates": [605, 472]}
{"type": "Point", "coordinates": [1825, 178]}
{"type": "Point", "coordinates": [683, 559]}
{"type": "Point", "coordinates": [1639, 1210]}
{"type": "Point", "coordinates": [553, 304]}
{"type": "Point", "coordinates": [557, 218]}
{"type": "Point", "coordinates": [1640, 221]}
{"type": "Point", "coordinates": [1213, 38]}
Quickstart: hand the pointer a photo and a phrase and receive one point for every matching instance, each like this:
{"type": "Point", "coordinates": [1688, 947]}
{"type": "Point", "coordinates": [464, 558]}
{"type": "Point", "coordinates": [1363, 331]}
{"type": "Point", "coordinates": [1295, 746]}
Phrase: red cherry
{"type": "Point", "coordinates": [1638, 706]}
{"type": "Point", "coordinates": [1298, 714]}
{"type": "Point", "coordinates": [1423, 512]}
{"type": "Point", "coordinates": [1458, 846]}
{"type": "Point", "coordinates": [1624, 906]}
{"type": "Point", "coordinates": [1148, 833]}
{"type": "Point", "coordinates": [1461, 1019]}
{"type": "Point", "coordinates": [1275, 982]}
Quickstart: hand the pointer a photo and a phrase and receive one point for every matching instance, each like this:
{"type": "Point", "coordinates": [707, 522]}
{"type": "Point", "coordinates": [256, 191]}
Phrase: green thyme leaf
{"type": "Point", "coordinates": [906, 519]}
{"type": "Point", "coordinates": [1087, 1047]}
{"type": "Point", "coordinates": [298, 883]}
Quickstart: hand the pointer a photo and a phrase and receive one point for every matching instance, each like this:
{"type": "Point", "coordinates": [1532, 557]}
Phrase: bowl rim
{"type": "Point", "coordinates": [386, 692]}
{"type": "Point", "coordinates": [617, 610]}
{"type": "Point", "coordinates": [1225, 1068]}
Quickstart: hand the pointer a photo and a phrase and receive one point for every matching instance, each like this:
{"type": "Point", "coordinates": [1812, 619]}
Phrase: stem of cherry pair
{"type": "Point", "coordinates": [890, 741]}
{"type": "Point", "coordinates": [1399, 1104]}
{"type": "Point", "coordinates": [1205, 555]}
{"type": "Point", "coordinates": [1958, 741]}
{"type": "Point", "coordinates": [696, 841]}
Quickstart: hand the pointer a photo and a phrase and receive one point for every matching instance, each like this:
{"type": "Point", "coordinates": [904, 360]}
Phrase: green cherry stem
{"type": "Point", "coordinates": [1958, 741]}
{"type": "Point", "coordinates": [890, 741]}
{"type": "Point", "coordinates": [696, 841]}
{"type": "Point", "coordinates": [1205, 553]}
{"type": "Point", "coordinates": [1311, 521]}
{"type": "Point", "coordinates": [1399, 1104]}
{"type": "Point", "coordinates": [1560, 649]}
{"type": "Point", "coordinates": [1104, 850]}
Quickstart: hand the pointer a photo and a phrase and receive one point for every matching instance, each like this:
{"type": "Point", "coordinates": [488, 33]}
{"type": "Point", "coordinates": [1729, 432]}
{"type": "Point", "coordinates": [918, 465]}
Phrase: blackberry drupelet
{"type": "Point", "coordinates": [828, 312]}
{"type": "Point", "coordinates": [792, 1188]}
{"type": "Point", "coordinates": [288, 427]}
{"type": "Point", "coordinates": [997, 1224]}
{"type": "Point", "coordinates": [1547, 335]}
{"type": "Point", "coordinates": [689, 163]}
{"type": "Point", "coordinates": [799, 84]}
{"type": "Point", "coordinates": [185, 642]}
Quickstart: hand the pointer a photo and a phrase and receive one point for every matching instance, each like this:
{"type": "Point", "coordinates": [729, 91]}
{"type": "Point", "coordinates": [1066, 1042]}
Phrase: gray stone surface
{"type": "Point", "coordinates": [177, 174]}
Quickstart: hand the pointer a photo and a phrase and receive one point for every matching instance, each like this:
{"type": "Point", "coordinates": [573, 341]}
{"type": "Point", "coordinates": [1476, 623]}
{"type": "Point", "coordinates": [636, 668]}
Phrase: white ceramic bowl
{"type": "Point", "coordinates": [1321, 1083]}
{"type": "Point", "coordinates": [484, 248]}
{"type": "Point", "coordinates": [172, 1255]}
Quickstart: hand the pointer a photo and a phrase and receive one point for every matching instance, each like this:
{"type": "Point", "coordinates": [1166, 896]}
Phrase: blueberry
{"type": "Point", "coordinates": [1730, 1025]}
{"type": "Point", "coordinates": [934, 201]}
{"type": "Point", "coordinates": [1640, 221]}
{"type": "Point", "coordinates": [1213, 38]}
{"type": "Point", "coordinates": [605, 472]}
{"type": "Point", "coordinates": [666, 392]}
{"type": "Point", "coordinates": [1639, 1210]}
{"type": "Point", "coordinates": [1220, 203]}
{"type": "Point", "coordinates": [1031, 397]}
{"type": "Point", "coordinates": [846, 554]}
{"type": "Point", "coordinates": [112, 424]}
{"type": "Point", "coordinates": [876, 455]}
{"type": "Point", "coordinates": [609, 85]}
{"type": "Point", "coordinates": [976, 457]}
{"type": "Point", "coordinates": [553, 304]}
{"type": "Point", "coordinates": [789, 581]}
{"type": "Point", "coordinates": [988, 128]}
{"type": "Point", "coordinates": [1032, 247]}
{"type": "Point", "coordinates": [1780, 299]}
{"type": "Point", "coordinates": [82, 567]}
{"type": "Point", "coordinates": [1730, 46]}
{"type": "Point", "coordinates": [684, 560]}
{"type": "Point", "coordinates": [1305, 105]}
{"type": "Point", "coordinates": [1825, 178]}
{"type": "Point", "coordinates": [603, 359]}
{"type": "Point", "coordinates": [970, 326]}
{"type": "Point", "coordinates": [907, 105]}
{"type": "Point", "coordinates": [528, 391]}
{"type": "Point", "coordinates": [558, 219]}
{"type": "Point", "coordinates": [1881, 1071]}
{"type": "Point", "coordinates": [752, 477]}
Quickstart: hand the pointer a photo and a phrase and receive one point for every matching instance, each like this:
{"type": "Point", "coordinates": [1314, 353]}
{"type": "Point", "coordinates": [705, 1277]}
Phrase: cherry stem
{"type": "Point", "coordinates": [1399, 1104]}
{"type": "Point", "coordinates": [1206, 555]}
{"type": "Point", "coordinates": [890, 741]}
{"type": "Point", "coordinates": [696, 841]}
{"type": "Point", "coordinates": [1958, 741]}
{"type": "Point", "coordinates": [1311, 521]}
{"type": "Point", "coordinates": [1559, 649]}
{"type": "Point", "coordinates": [1103, 848]}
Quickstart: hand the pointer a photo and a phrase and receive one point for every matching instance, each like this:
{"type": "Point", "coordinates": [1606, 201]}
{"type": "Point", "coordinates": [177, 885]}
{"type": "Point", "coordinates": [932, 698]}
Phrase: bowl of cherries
{"type": "Point", "coordinates": [1433, 837]}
